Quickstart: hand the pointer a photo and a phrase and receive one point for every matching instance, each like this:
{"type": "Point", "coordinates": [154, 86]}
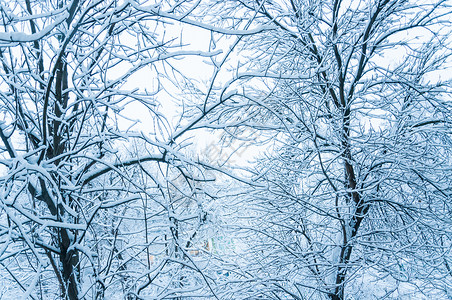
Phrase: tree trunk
{"type": "Point", "coordinates": [70, 267]}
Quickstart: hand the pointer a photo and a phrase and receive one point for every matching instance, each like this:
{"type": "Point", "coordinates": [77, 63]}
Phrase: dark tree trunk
{"type": "Point", "coordinates": [70, 267]}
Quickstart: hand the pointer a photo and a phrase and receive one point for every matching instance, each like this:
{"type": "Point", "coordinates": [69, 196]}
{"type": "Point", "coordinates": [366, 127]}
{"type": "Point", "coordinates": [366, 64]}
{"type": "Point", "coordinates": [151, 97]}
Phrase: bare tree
{"type": "Point", "coordinates": [90, 202]}
{"type": "Point", "coordinates": [356, 186]}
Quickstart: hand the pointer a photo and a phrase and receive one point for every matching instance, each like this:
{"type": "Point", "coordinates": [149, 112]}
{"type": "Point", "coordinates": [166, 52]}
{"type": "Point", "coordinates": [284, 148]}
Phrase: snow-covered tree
{"type": "Point", "coordinates": [92, 203]}
{"type": "Point", "coordinates": [352, 198]}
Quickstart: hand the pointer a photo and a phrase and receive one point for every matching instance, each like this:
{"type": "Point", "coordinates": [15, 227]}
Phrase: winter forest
{"type": "Point", "coordinates": [225, 149]}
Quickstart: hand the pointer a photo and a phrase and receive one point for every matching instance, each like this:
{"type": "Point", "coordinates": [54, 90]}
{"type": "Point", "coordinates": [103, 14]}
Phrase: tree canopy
{"type": "Point", "coordinates": [238, 149]}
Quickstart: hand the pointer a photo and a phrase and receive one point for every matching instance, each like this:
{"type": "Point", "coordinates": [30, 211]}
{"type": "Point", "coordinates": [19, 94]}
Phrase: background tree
{"type": "Point", "coordinates": [355, 187]}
